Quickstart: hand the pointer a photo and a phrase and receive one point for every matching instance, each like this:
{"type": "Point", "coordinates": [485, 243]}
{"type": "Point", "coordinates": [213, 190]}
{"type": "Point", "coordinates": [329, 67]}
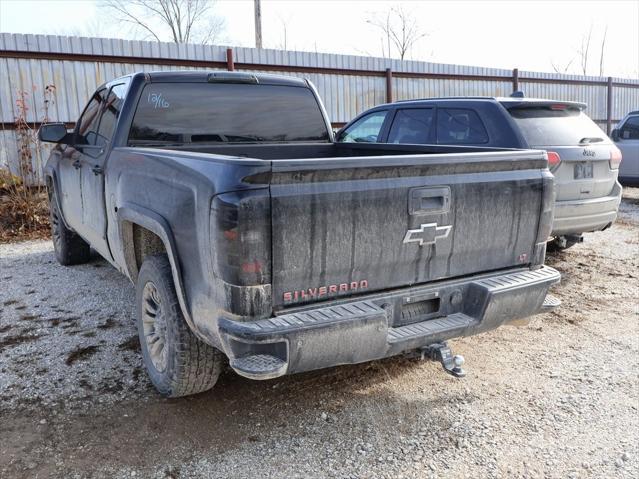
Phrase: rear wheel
{"type": "Point", "coordinates": [69, 248]}
{"type": "Point", "coordinates": [178, 363]}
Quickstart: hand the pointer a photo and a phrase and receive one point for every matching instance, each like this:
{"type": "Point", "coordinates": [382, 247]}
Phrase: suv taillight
{"type": "Point", "coordinates": [241, 237]}
{"type": "Point", "coordinates": [553, 160]}
{"type": "Point", "coordinates": [615, 158]}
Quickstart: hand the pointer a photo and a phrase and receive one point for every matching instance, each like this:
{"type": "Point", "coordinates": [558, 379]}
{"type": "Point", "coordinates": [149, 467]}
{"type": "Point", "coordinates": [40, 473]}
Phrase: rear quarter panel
{"type": "Point", "coordinates": [175, 190]}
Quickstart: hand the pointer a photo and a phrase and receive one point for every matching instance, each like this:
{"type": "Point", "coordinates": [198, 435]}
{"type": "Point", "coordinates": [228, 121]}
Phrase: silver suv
{"type": "Point", "coordinates": [583, 159]}
{"type": "Point", "coordinates": [626, 137]}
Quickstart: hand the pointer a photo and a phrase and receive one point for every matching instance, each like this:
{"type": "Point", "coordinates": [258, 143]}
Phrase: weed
{"type": "Point", "coordinates": [24, 211]}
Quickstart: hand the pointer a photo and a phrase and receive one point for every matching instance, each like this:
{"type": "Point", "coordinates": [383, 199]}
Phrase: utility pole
{"type": "Point", "coordinates": [258, 24]}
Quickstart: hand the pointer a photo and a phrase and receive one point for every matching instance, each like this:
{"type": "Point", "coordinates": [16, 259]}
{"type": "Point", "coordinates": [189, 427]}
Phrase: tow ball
{"type": "Point", "coordinates": [441, 352]}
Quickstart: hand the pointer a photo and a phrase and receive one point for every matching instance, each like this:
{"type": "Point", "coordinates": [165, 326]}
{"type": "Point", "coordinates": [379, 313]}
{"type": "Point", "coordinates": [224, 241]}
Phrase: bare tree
{"type": "Point", "coordinates": [562, 68]}
{"type": "Point", "coordinates": [400, 32]}
{"type": "Point", "coordinates": [283, 44]}
{"type": "Point", "coordinates": [584, 51]}
{"type": "Point", "coordinates": [603, 48]}
{"type": "Point", "coordinates": [584, 55]}
{"type": "Point", "coordinates": [185, 20]}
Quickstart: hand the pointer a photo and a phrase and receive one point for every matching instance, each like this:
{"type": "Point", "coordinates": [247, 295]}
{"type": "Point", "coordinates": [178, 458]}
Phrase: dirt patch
{"type": "Point", "coordinates": [17, 339]}
{"type": "Point", "coordinates": [81, 354]}
{"type": "Point", "coordinates": [131, 344]}
{"type": "Point", "coordinates": [108, 324]}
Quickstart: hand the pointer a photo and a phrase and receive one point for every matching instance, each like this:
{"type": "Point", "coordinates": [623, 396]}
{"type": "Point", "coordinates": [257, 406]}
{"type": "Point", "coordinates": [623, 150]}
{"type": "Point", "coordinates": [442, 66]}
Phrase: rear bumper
{"type": "Point", "coordinates": [581, 216]}
{"type": "Point", "coordinates": [382, 325]}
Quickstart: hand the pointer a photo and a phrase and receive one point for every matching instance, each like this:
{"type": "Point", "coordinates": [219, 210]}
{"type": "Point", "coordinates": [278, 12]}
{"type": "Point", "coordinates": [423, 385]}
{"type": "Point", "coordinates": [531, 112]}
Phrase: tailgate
{"type": "Point", "coordinates": [357, 225]}
{"type": "Point", "coordinates": [584, 172]}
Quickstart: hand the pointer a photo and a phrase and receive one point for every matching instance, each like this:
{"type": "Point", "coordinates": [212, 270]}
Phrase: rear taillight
{"type": "Point", "coordinates": [553, 159]}
{"type": "Point", "coordinates": [241, 237]}
{"type": "Point", "coordinates": [615, 158]}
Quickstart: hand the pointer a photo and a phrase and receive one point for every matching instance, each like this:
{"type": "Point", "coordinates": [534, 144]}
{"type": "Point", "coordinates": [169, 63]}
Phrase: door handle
{"type": "Point", "coordinates": [77, 164]}
{"type": "Point", "coordinates": [97, 170]}
{"type": "Point", "coordinates": [429, 200]}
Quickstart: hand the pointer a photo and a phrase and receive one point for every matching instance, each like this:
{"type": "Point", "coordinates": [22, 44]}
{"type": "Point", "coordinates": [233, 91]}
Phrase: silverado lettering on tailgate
{"type": "Point", "coordinates": [324, 291]}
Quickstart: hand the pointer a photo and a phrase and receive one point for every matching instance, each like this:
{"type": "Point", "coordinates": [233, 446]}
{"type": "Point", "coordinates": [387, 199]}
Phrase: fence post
{"type": "Point", "coordinates": [515, 79]}
{"type": "Point", "coordinates": [389, 85]}
{"type": "Point", "coordinates": [230, 66]}
{"type": "Point", "coordinates": [609, 108]}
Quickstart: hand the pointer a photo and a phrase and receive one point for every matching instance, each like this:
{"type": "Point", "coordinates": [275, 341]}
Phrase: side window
{"type": "Point", "coordinates": [460, 126]}
{"type": "Point", "coordinates": [110, 112]}
{"type": "Point", "coordinates": [364, 130]}
{"type": "Point", "coordinates": [87, 127]}
{"type": "Point", "coordinates": [411, 125]}
{"type": "Point", "coordinates": [630, 129]}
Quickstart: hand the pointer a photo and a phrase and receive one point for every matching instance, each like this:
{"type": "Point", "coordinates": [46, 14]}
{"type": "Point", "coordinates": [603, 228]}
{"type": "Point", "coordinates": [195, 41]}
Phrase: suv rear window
{"type": "Point", "coordinates": [226, 113]}
{"type": "Point", "coordinates": [542, 126]}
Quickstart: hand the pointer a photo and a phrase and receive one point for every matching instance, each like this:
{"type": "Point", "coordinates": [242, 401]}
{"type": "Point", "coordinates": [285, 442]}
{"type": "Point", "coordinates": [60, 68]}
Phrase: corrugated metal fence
{"type": "Point", "coordinates": [347, 84]}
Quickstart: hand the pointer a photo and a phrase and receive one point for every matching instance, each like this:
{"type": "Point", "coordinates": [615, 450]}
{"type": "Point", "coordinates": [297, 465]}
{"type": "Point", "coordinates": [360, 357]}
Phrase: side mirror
{"type": "Point", "coordinates": [615, 135]}
{"type": "Point", "coordinates": [53, 133]}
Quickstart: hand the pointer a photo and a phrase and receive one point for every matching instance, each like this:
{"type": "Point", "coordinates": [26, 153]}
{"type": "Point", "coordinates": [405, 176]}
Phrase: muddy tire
{"type": "Point", "coordinates": [69, 248]}
{"type": "Point", "coordinates": [177, 362]}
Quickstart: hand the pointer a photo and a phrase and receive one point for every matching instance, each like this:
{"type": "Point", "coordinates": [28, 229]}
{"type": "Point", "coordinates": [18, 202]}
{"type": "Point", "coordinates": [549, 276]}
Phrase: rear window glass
{"type": "Point", "coordinates": [226, 113]}
{"type": "Point", "coordinates": [458, 126]}
{"type": "Point", "coordinates": [411, 126]}
{"type": "Point", "coordinates": [545, 127]}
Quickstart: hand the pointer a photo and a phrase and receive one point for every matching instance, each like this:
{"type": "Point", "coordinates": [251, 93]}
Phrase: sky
{"type": "Point", "coordinates": [542, 35]}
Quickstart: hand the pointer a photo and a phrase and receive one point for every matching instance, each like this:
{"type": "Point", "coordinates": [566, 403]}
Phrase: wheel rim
{"type": "Point", "coordinates": [55, 227]}
{"type": "Point", "coordinates": [154, 326]}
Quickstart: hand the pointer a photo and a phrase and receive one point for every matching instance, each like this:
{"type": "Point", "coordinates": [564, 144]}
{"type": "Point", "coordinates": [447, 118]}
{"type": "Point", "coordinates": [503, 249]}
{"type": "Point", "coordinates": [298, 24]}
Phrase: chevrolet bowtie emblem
{"type": "Point", "coordinates": [427, 234]}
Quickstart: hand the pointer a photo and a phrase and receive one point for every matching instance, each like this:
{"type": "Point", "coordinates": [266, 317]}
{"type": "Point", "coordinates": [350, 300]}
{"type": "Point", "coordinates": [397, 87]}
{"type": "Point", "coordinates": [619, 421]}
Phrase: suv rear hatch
{"type": "Point", "coordinates": [347, 226]}
{"type": "Point", "coordinates": [587, 162]}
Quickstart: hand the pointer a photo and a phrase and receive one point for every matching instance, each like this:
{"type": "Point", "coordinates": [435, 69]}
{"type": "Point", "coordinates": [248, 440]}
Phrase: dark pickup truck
{"type": "Point", "coordinates": [249, 233]}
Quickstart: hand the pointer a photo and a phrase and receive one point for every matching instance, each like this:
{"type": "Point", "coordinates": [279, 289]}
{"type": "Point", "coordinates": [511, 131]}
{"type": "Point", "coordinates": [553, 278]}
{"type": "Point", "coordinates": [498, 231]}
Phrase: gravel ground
{"type": "Point", "coordinates": [557, 398]}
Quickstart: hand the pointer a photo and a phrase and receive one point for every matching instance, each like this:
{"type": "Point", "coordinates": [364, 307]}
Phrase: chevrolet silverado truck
{"type": "Point", "coordinates": [250, 234]}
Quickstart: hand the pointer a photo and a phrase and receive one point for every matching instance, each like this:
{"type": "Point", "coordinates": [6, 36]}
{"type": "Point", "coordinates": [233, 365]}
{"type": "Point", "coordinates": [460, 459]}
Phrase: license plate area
{"type": "Point", "coordinates": [417, 308]}
{"type": "Point", "coordinates": [583, 170]}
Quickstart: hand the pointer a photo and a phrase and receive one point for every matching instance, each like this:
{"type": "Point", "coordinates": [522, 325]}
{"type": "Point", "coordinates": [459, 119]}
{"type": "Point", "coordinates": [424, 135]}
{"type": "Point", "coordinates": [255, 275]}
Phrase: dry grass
{"type": "Point", "coordinates": [24, 211]}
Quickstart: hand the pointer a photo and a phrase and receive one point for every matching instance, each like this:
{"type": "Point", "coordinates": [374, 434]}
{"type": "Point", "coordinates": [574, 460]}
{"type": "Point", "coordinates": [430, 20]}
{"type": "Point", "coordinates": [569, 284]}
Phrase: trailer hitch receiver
{"type": "Point", "coordinates": [441, 352]}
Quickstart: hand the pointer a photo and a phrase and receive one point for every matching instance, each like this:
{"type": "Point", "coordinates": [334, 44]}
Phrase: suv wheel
{"type": "Point", "coordinates": [178, 363]}
{"type": "Point", "coordinates": [68, 246]}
